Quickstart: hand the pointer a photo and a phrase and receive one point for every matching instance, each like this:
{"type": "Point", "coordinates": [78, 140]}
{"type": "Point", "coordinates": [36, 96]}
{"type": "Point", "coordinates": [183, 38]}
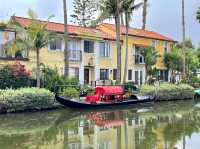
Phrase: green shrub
{"type": "Point", "coordinates": [14, 76]}
{"type": "Point", "coordinates": [129, 86]}
{"type": "Point", "coordinates": [168, 91]}
{"type": "Point", "coordinates": [51, 78]}
{"type": "Point", "coordinates": [147, 90]}
{"type": "Point", "coordinates": [70, 93]}
{"type": "Point", "coordinates": [26, 99]}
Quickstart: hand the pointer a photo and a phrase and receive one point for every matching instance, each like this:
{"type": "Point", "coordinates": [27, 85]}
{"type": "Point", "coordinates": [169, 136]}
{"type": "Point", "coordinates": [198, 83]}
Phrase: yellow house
{"type": "Point", "coordinates": [92, 52]}
{"type": "Point", "coordinates": [141, 38]}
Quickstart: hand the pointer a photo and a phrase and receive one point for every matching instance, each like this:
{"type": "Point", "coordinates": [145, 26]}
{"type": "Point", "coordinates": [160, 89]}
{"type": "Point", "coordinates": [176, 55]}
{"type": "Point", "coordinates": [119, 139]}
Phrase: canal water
{"type": "Point", "coordinates": [163, 125]}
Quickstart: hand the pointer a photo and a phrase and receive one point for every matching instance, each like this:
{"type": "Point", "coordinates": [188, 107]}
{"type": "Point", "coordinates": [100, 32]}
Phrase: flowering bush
{"type": "Point", "coordinates": [14, 76]}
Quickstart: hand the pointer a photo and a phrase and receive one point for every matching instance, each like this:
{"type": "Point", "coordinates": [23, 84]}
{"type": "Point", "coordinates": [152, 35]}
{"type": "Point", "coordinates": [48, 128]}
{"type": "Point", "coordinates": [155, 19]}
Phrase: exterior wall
{"type": "Point", "coordinates": [93, 61]}
{"type": "Point", "coordinates": [133, 41]}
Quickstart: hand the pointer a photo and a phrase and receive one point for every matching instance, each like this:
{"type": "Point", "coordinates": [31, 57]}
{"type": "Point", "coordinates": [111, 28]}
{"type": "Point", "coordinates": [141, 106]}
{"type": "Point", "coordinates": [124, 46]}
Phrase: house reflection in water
{"type": "Point", "coordinates": [109, 130]}
{"type": "Point", "coordinates": [131, 129]}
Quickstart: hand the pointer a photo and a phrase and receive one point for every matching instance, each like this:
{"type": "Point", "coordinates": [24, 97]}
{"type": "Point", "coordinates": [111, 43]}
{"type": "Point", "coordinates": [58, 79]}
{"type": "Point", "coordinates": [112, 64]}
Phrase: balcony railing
{"type": "Point", "coordinates": [138, 59]}
{"type": "Point", "coordinates": [6, 55]}
{"type": "Point", "coordinates": [75, 55]}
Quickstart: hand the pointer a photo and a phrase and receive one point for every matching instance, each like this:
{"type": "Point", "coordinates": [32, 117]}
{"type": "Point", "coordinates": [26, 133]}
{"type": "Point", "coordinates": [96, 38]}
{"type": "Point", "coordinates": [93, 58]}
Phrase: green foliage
{"type": "Point", "coordinates": [35, 37]}
{"type": "Point", "coordinates": [51, 78]}
{"type": "Point", "coordinates": [192, 60]}
{"type": "Point", "coordinates": [129, 86]}
{"type": "Point", "coordinates": [84, 11]}
{"type": "Point", "coordinates": [70, 92]}
{"type": "Point", "coordinates": [174, 59]}
{"type": "Point", "coordinates": [26, 99]}
{"type": "Point", "coordinates": [193, 81]}
{"type": "Point", "coordinates": [188, 44]}
{"type": "Point", "coordinates": [14, 76]}
{"type": "Point", "coordinates": [3, 25]}
{"type": "Point", "coordinates": [168, 91]}
{"type": "Point", "coordinates": [198, 14]}
{"type": "Point", "coordinates": [150, 57]}
{"type": "Point", "coordinates": [87, 89]}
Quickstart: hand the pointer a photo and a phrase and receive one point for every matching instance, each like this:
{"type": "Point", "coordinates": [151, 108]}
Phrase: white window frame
{"type": "Point", "coordinates": [154, 44]}
{"type": "Point", "coordinates": [166, 46]}
{"type": "Point", "coordinates": [106, 51]}
{"type": "Point", "coordinates": [56, 50]}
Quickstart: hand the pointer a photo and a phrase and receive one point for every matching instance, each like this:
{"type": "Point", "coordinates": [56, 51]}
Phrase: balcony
{"type": "Point", "coordinates": [75, 55]}
{"type": "Point", "coordinates": [5, 55]}
{"type": "Point", "coordinates": [138, 59]}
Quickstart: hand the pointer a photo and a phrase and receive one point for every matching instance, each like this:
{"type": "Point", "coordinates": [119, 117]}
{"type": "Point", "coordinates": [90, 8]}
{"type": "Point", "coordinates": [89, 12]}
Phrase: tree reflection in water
{"type": "Point", "coordinates": [160, 126]}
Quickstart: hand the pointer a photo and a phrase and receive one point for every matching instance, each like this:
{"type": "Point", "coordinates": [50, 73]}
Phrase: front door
{"type": "Point", "coordinates": [86, 76]}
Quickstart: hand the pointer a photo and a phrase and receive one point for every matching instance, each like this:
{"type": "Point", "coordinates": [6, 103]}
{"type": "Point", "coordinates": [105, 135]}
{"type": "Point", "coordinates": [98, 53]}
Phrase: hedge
{"type": "Point", "coordinates": [168, 91]}
{"type": "Point", "coordinates": [26, 99]}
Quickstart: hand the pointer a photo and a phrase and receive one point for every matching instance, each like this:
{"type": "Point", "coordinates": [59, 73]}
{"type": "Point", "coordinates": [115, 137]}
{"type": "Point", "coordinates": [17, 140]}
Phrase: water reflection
{"type": "Point", "coordinates": [161, 126]}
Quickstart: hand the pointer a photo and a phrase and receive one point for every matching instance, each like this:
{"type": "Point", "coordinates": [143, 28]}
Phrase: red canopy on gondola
{"type": "Point", "coordinates": [109, 90]}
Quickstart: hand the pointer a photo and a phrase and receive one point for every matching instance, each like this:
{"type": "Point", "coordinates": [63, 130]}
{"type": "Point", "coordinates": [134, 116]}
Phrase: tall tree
{"type": "Point", "coordinates": [84, 12]}
{"type": "Point", "coordinates": [35, 37]}
{"type": "Point", "coordinates": [183, 32]}
{"type": "Point", "coordinates": [198, 14]}
{"type": "Point", "coordinates": [150, 57]}
{"type": "Point", "coordinates": [144, 14]}
{"type": "Point", "coordinates": [128, 7]}
{"type": "Point", "coordinates": [66, 53]}
{"type": "Point", "coordinates": [113, 9]}
{"type": "Point", "coordinates": [174, 62]}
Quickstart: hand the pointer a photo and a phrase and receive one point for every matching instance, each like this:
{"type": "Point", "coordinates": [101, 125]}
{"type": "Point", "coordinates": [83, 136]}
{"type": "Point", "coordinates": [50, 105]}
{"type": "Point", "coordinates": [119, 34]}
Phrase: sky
{"type": "Point", "coordinates": [164, 16]}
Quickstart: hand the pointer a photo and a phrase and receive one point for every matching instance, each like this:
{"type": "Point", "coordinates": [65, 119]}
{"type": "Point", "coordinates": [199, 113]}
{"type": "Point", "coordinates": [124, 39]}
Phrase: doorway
{"type": "Point", "coordinates": [86, 75]}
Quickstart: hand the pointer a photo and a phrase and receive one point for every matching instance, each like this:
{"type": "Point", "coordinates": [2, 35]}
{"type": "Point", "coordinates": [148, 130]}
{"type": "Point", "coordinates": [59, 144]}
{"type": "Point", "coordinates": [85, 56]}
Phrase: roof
{"type": "Point", "coordinates": [72, 29]}
{"type": "Point", "coordinates": [138, 32]}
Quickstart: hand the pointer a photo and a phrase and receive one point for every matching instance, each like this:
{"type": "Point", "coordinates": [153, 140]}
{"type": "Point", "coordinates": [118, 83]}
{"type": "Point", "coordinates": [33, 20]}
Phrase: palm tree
{"type": "Point", "coordinates": [66, 53]}
{"type": "Point", "coordinates": [183, 32]}
{"type": "Point", "coordinates": [34, 37]}
{"type": "Point", "coordinates": [128, 7]}
{"type": "Point", "coordinates": [113, 9]}
{"type": "Point", "coordinates": [144, 14]}
{"type": "Point", "coordinates": [150, 57]}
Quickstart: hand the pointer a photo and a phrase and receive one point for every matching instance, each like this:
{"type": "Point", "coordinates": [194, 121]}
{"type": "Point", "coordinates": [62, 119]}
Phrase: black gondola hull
{"type": "Point", "coordinates": [75, 104]}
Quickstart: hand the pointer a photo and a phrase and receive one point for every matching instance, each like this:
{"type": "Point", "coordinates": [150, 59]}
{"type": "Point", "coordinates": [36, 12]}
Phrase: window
{"type": "Point", "coordinates": [114, 74]}
{"type": "Point", "coordinates": [75, 53]}
{"type": "Point", "coordinates": [139, 59]}
{"type": "Point", "coordinates": [56, 45]}
{"type": "Point", "coordinates": [163, 75]}
{"type": "Point", "coordinates": [104, 74]}
{"type": "Point", "coordinates": [89, 46]}
{"type": "Point", "coordinates": [154, 44]}
{"type": "Point", "coordinates": [129, 74]}
{"type": "Point", "coordinates": [74, 72]}
{"type": "Point", "coordinates": [6, 37]}
{"type": "Point", "coordinates": [136, 77]}
{"type": "Point", "coordinates": [105, 49]}
{"type": "Point", "coordinates": [141, 77]}
{"type": "Point", "coordinates": [74, 45]}
{"type": "Point", "coordinates": [165, 46]}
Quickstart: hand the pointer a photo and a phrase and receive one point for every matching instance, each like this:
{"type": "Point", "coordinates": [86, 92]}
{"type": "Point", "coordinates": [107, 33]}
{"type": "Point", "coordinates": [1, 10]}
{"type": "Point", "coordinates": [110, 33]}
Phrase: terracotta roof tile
{"type": "Point", "coordinates": [138, 32]}
{"type": "Point", "coordinates": [72, 29]}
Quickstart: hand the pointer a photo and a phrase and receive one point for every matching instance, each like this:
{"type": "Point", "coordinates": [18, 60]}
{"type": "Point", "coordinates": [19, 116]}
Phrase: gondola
{"type": "Point", "coordinates": [105, 96]}
{"type": "Point", "coordinates": [84, 105]}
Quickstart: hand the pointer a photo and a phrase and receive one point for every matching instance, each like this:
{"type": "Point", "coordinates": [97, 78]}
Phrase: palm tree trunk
{"type": "Point", "coordinates": [122, 19]}
{"type": "Point", "coordinates": [126, 57]}
{"type": "Point", "coordinates": [183, 26]}
{"type": "Point", "coordinates": [38, 67]}
{"type": "Point", "coordinates": [144, 15]}
{"type": "Point", "coordinates": [117, 25]}
{"type": "Point", "coordinates": [146, 75]}
{"type": "Point", "coordinates": [66, 55]}
{"type": "Point", "coordinates": [117, 22]}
